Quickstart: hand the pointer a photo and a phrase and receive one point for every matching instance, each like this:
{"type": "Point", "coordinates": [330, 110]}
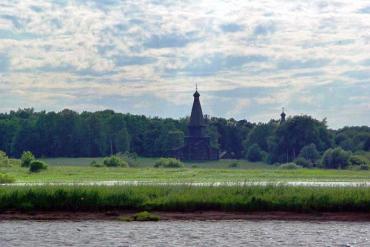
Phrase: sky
{"type": "Point", "coordinates": [249, 58]}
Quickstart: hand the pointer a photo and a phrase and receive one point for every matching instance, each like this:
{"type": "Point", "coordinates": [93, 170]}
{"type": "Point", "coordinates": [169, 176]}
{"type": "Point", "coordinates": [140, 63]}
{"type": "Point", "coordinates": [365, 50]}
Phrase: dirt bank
{"type": "Point", "coordinates": [199, 215]}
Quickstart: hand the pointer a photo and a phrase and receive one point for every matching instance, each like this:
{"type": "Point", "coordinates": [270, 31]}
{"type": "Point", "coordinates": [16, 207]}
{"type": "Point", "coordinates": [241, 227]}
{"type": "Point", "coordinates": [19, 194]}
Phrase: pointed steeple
{"type": "Point", "coordinates": [282, 115]}
{"type": "Point", "coordinates": [196, 118]}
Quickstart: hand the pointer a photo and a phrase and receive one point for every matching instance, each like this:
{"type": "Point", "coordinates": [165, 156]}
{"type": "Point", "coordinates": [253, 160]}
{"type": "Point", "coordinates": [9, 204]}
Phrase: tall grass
{"type": "Point", "coordinates": [5, 179]}
{"type": "Point", "coordinates": [185, 198]}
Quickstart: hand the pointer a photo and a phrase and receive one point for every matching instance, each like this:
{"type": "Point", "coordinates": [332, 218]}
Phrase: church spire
{"type": "Point", "coordinates": [282, 115]}
{"type": "Point", "coordinates": [196, 118]}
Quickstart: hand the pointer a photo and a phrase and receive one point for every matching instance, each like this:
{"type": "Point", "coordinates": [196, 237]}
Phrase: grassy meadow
{"type": "Point", "coordinates": [184, 198]}
{"type": "Point", "coordinates": [79, 170]}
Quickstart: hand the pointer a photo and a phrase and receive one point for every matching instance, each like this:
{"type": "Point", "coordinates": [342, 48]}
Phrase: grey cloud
{"type": "Point", "coordinates": [211, 65]}
{"type": "Point", "coordinates": [13, 19]}
{"type": "Point", "coordinates": [168, 41]}
{"type": "Point", "coordinates": [134, 60]}
{"type": "Point", "coordinates": [301, 64]}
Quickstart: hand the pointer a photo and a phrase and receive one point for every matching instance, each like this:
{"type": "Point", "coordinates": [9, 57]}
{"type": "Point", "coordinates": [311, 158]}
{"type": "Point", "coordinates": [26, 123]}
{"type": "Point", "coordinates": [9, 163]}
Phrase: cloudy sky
{"type": "Point", "coordinates": [249, 58]}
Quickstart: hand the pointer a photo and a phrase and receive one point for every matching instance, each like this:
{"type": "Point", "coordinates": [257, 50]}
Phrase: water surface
{"type": "Point", "coordinates": [184, 233]}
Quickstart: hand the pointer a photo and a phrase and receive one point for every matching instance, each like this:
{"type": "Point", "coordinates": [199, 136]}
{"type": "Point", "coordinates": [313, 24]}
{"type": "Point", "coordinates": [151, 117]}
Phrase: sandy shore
{"type": "Point", "coordinates": [199, 215]}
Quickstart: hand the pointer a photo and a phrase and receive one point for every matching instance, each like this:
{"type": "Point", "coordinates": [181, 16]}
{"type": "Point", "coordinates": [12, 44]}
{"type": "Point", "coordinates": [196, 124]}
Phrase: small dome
{"type": "Point", "coordinates": [196, 94]}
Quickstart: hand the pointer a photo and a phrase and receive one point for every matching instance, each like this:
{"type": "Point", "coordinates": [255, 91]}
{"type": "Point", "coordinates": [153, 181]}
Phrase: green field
{"type": "Point", "coordinates": [78, 170]}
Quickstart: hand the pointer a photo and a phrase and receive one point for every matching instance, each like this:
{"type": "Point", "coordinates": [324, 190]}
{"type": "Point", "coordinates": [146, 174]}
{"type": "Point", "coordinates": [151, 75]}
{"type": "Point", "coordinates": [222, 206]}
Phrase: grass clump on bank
{"type": "Point", "coordinates": [185, 198]}
{"type": "Point", "coordinates": [141, 216]}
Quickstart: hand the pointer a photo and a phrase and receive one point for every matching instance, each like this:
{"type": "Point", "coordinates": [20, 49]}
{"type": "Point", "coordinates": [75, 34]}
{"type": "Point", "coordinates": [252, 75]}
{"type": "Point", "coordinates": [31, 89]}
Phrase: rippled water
{"type": "Point", "coordinates": [184, 233]}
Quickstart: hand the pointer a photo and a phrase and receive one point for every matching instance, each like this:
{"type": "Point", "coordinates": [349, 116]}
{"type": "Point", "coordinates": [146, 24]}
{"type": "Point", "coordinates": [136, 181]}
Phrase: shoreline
{"type": "Point", "coordinates": [188, 216]}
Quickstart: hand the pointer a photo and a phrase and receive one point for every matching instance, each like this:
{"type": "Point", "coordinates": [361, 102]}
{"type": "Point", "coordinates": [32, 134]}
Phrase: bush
{"type": "Point", "coordinates": [5, 179]}
{"type": "Point", "coordinates": [303, 162]}
{"type": "Point", "coordinates": [289, 166]}
{"type": "Point", "coordinates": [254, 153]}
{"type": "Point", "coordinates": [130, 158]}
{"type": "Point", "coordinates": [115, 161]}
{"type": "Point", "coordinates": [364, 167]}
{"type": "Point", "coordinates": [4, 160]}
{"type": "Point", "coordinates": [234, 165]}
{"type": "Point", "coordinates": [38, 165]}
{"type": "Point", "coordinates": [357, 160]}
{"type": "Point", "coordinates": [168, 163]}
{"type": "Point", "coordinates": [96, 164]}
{"type": "Point", "coordinates": [335, 158]}
{"type": "Point", "coordinates": [27, 158]}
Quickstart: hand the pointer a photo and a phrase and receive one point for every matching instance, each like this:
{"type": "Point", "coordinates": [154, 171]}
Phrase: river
{"type": "Point", "coordinates": [184, 233]}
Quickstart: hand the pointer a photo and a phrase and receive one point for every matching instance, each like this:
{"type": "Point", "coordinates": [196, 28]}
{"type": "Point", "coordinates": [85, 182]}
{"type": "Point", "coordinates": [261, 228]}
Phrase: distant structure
{"type": "Point", "coordinates": [197, 144]}
{"type": "Point", "coordinates": [282, 115]}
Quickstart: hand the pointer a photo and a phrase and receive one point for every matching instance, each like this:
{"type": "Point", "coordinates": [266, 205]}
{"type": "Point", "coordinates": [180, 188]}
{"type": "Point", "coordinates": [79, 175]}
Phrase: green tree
{"type": "Point", "coordinates": [336, 158]}
{"type": "Point", "coordinates": [254, 153]}
{"type": "Point", "coordinates": [310, 153]}
{"type": "Point", "coordinates": [27, 158]}
{"type": "Point", "coordinates": [175, 139]}
{"type": "Point", "coordinates": [298, 132]}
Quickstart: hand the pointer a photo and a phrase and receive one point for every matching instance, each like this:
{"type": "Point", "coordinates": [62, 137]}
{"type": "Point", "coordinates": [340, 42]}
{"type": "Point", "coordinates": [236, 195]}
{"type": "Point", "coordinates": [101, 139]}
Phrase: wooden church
{"type": "Point", "coordinates": [197, 143]}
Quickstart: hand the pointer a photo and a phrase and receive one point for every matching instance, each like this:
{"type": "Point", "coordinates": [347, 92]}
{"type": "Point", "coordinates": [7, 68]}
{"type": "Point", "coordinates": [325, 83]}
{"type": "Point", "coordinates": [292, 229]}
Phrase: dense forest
{"type": "Point", "coordinates": [71, 134]}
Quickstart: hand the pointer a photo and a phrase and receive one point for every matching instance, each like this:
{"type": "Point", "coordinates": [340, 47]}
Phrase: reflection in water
{"type": "Point", "coordinates": [184, 233]}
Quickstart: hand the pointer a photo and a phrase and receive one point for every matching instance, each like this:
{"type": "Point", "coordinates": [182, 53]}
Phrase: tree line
{"type": "Point", "coordinates": [102, 133]}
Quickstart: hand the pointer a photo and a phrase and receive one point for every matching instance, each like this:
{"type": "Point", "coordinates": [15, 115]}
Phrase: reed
{"type": "Point", "coordinates": [184, 198]}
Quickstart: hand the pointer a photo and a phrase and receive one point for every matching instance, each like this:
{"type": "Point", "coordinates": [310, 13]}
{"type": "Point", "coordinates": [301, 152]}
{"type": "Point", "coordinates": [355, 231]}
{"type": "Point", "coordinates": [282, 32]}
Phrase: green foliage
{"type": "Point", "coordinates": [335, 158]}
{"type": "Point", "coordinates": [358, 160]}
{"type": "Point", "coordinates": [303, 162]}
{"type": "Point", "coordinates": [5, 179]}
{"type": "Point", "coordinates": [289, 166]}
{"type": "Point", "coordinates": [115, 161]}
{"type": "Point", "coordinates": [27, 158]}
{"type": "Point", "coordinates": [145, 216]}
{"type": "Point", "coordinates": [310, 153]}
{"type": "Point", "coordinates": [174, 139]}
{"type": "Point", "coordinates": [103, 133]}
{"type": "Point", "coordinates": [4, 160]}
{"type": "Point", "coordinates": [364, 167]}
{"type": "Point", "coordinates": [254, 153]}
{"type": "Point", "coordinates": [234, 165]}
{"type": "Point", "coordinates": [129, 158]}
{"type": "Point", "coordinates": [185, 198]}
{"type": "Point", "coordinates": [94, 163]}
{"type": "Point", "coordinates": [298, 132]}
{"type": "Point", "coordinates": [168, 163]}
{"type": "Point", "coordinates": [38, 165]}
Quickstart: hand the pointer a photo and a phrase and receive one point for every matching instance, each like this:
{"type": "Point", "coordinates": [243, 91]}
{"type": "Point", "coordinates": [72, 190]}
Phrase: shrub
{"type": "Point", "coordinates": [289, 166]}
{"type": "Point", "coordinates": [96, 164]}
{"type": "Point", "coordinates": [38, 165]}
{"type": "Point", "coordinates": [115, 161]}
{"type": "Point", "coordinates": [303, 162]}
{"type": "Point", "coordinates": [4, 160]}
{"type": "Point", "coordinates": [234, 165]}
{"type": "Point", "coordinates": [364, 167]}
{"type": "Point", "coordinates": [5, 179]}
{"type": "Point", "coordinates": [27, 158]}
{"type": "Point", "coordinates": [130, 158]}
{"type": "Point", "coordinates": [335, 158]}
{"type": "Point", "coordinates": [145, 216]}
{"type": "Point", "coordinates": [357, 160]}
{"type": "Point", "coordinates": [254, 153]}
{"type": "Point", "coordinates": [168, 163]}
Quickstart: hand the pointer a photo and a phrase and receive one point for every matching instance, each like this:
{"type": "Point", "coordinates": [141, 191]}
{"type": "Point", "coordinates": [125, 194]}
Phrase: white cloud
{"type": "Point", "coordinates": [58, 51]}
